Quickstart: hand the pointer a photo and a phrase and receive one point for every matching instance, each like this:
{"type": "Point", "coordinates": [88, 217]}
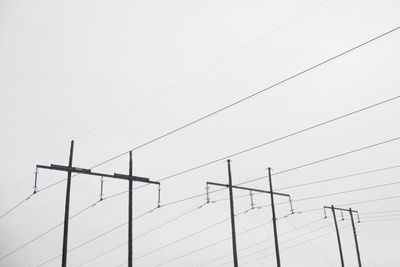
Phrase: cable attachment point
{"type": "Point", "coordinates": [101, 188]}
{"type": "Point", "coordinates": [208, 194]}
{"type": "Point", "coordinates": [159, 196]}
{"type": "Point", "coordinates": [35, 185]}
{"type": "Point", "coordinates": [252, 200]}
{"type": "Point", "coordinates": [291, 205]}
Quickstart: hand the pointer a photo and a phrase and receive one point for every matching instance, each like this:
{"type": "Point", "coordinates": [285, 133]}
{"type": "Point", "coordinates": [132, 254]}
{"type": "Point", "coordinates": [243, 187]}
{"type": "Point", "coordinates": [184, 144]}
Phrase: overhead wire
{"type": "Point", "coordinates": [252, 148]}
{"type": "Point", "coordinates": [93, 239]}
{"type": "Point", "coordinates": [212, 64]}
{"type": "Point", "coordinates": [293, 246]}
{"type": "Point", "coordinates": [263, 241]}
{"type": "Point", "coordinates": [235, 103]}
{"type": "Point", "coordinates": [324, 159]}
{"type": "Point", "coordinates": [250, 96]}
{"type": "Point", "coordinates": [46, 232]}
{"type": "Point", "coordinates": [144, 234]}
{"type": "Point", "coordinates": [16, 206]}
{"type": "Point", "coordinates": [278, 139]}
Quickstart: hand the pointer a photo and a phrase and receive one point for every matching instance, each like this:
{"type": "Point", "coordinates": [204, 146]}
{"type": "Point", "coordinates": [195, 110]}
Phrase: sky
{"type": "Point", "coordinates": [115, 75]}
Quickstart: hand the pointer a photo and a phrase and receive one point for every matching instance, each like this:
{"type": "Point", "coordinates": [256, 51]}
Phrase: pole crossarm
{"type": "Point", "coordinates": [349, 210]}
{"type": "Point", "coordinates": [89, 172]}
{"type": "Point", "coordinates": [249, 189]}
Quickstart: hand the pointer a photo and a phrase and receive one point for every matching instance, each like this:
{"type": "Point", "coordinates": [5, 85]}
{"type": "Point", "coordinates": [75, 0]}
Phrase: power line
{"type": "Point", "coordinates": [340, 177]}
{"type": "Point", "coordinates": [247, 149]}
{"type": "Point", "coordinates": [222, 240]}
{"type": "Point", "coordinates": [16, 206]}
{"type": "Point", "coordinates": [250, 96]}
{"type": "Point", "coordinates": [212, 64]}
{"type": "Point", "coordinates": [296, 245]}
{"type": "Point", "coordinates": [46, 232]}
{"type": "Point", "coordinates": [236, 197]}
{"type": "Point", "coordinates": [355, 203]}
{"type": "Point", "coordinates": [279, 138]}
{"type": "Point", "coordinates": [93, 239]}
{"type": "Point", "coordinates": [143, 234]}
{"type": "Point", "coordinates": [325, 159]}
{"type": "Point", "coordinates": [347, 191]}
{"type": "Point", "coordinates": [188, 236]}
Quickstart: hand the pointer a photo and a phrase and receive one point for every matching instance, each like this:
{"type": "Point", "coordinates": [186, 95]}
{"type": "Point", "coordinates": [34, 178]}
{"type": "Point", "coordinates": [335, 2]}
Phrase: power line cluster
{"type": "Point", "coordinates": [370, 217]}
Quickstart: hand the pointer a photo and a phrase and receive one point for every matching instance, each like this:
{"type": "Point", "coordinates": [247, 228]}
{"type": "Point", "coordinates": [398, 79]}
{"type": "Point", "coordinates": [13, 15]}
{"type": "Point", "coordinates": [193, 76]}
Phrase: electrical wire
{"type": "Point", "coordinates": [250, 96]}
{"type": "Point", "coordinates": [189, 236]}
{"type": "Point", "coordinates": [278, 139]}
{"type": "Point", "coordinates": [293, 246]}
{"type": "Point", "coordinates": [46, 232]}
{"type": "Point", "coordinates": [93, 239]}
{"type": "Point", "coordinates": [143, 234]}
{"type": "Point", "coordinates": [324, 159]}
{"type": "Point", "coordinates": [229, 238]}
{"type": "Point", "coordinates": [339, 178]}
{"type": "Point", "coordinates": [212, 64]}
{"type": "Point", "coordinates": [247, 149]}
{"type": "Point", "coordinates": [346, 191]}
{"type": "Point", "coordinates": [16, 206]}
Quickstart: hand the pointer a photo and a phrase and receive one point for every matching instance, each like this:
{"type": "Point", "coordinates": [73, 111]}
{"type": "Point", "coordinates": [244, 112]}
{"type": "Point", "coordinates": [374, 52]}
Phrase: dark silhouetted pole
{"type": "Point", "coordinates": [355, 237]}
{"type": "Point", "coordinates": [130, 231]}
{"type": "Point", "coordinates": [66, 216]}
{"type": "Point", "coordinates": [230, 186]}
{"type": "Point", "coordinates": [278, 258]}
{"type": "Point", "coordinates": [235, 257]}
{"type": "Point", "coordinates": [69, 169]}
{"type": "Point", "coordinates": [338, 236]}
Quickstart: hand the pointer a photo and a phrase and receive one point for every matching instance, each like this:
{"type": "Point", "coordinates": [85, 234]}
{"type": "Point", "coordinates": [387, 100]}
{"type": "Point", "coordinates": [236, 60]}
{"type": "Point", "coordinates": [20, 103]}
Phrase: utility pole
{"type": "Point", "coordinates": [355, 235]}
{"type": "Point", "coordinates": [69, 169]}
{"type": "Point", "coordinates": [66, 215]}
{"type": "Point", "coordinates": [278, 258]}
{"type": "Point", "coordinates": [130, 229]}
{"type": "Point", "coordinates": [354, 230]}
{"type": "Point", "coordinates": [230, 187]}
{"type": "Point", "coordinates": [235, 258]}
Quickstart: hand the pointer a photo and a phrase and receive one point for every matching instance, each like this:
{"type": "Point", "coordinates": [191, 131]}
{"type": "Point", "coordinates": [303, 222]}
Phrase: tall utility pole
{"type": "Point", "coordinates": [355, 235]}
{"type": "Point", "coordinates": [69, 169]}
{"type": "Point", "coordinates": [230, 187]}
{"type": "Point", "coordinates": [278, 258]}
{"type": "Point", "coordinates": [354, 230]}
{"type": "Point", "coordinates": [66, 215]}
{"type": "Point", "coordinates": [130, 207]}
{"type": "Point", "coordinates": [235, 258]}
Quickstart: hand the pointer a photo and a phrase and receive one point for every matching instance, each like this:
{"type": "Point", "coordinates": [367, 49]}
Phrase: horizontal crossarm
{"type": "Point", "coordinates": [89, 172]}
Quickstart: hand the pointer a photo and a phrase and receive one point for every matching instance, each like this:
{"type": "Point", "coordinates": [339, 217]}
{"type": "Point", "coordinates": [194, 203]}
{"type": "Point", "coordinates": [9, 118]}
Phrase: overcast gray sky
{"type": "Point", "coordinates": [113, 75]}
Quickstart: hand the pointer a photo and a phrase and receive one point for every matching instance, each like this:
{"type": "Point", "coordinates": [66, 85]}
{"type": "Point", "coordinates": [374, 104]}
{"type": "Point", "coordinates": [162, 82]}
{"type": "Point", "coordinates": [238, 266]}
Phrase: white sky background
{"type": "Point", "coordinates": [114, 74]}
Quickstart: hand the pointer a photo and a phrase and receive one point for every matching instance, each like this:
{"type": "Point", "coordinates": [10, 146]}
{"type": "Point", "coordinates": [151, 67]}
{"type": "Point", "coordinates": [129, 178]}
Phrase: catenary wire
{"type": "Point", "coordinates": [46, 232]}
{"type": "Point", "coordinates": [226, 239]}
{"type": "Point", "coordinates": [93, 239]}
{"type": "Point", "coordinates": [251, 95]}
{"type": "Point", "coordinates": [310, 164]}
{"type": "Point", "coordinates": [212, 64]}
{"type": "Point", "coordinates": [251, 148]}
{"type": "Point", "coordinates": [325, 159]}
{"type": "Point", "coordinates": [278, 139]}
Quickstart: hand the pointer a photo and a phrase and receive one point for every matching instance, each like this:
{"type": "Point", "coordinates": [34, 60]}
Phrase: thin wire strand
{"type": "Point", "coordinates": [250, 96]}
{"type": "Point", "coordinates": [16, 206]}
{"type": "Point", "coordinates": [93, 239]}
{"type": "Point", "coordinates": [325, 159]}
{"type": "Point", "coordinates": [46, 232]}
